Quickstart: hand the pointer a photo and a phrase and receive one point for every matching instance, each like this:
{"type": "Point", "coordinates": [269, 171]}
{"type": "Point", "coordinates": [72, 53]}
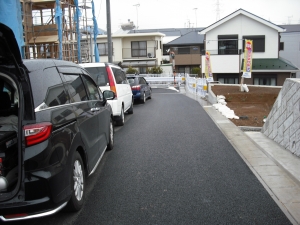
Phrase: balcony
{"type": "Point", "coordinates": [188, 59]}
{"type": "Point", "coordinates": [129, 53]}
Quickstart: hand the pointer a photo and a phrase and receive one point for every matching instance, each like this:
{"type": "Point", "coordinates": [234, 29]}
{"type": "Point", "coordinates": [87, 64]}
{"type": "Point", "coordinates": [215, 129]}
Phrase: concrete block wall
{"type": "Point", "coordinates": [283, 122]}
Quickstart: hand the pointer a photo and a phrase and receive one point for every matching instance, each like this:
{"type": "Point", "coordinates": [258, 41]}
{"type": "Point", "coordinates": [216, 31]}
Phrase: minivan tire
{"type": "Point", "coordinates": [77, 177]}
{"type": "Point", "coordinates": [130, 110]}
{"type": "Point", "coordinates": [121, 118]}
{"type": "Point", "coordinates": [110, 144]}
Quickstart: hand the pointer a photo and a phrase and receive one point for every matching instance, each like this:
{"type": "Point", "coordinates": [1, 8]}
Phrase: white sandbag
{"type": "Point", "coordinates": [246, 89]}
{"type": "Point", "coordinates": [217, 105]}
{"type": "Point", "coordinates": [221, 97]}
{"type": "Point", "coordinates": [241, 88]}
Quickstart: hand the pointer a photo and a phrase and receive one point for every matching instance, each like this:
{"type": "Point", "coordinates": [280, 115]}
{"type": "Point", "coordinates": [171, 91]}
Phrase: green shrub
{"type": "Point", "coordinates": [196, 70]}
{"type": "Point", "coordinates": [131, 70]}
{"type": "Point", "coordinates": [155, 70]}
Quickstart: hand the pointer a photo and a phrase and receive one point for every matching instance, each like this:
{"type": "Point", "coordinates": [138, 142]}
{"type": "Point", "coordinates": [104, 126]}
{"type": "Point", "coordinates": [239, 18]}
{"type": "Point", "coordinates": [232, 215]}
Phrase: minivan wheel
{"type": "Point", "coordinates": [110, 144]}
{"type": "Point", "coordinates": [121, 119]}
{"type": "Point", "coordinates": [130, 110]}
{"type": "Point", "coordinates": [77, 184]}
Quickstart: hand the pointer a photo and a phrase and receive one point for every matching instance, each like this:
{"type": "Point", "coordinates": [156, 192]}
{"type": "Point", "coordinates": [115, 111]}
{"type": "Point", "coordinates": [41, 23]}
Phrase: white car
{"type": "Point", "coordinates": [111, 77]}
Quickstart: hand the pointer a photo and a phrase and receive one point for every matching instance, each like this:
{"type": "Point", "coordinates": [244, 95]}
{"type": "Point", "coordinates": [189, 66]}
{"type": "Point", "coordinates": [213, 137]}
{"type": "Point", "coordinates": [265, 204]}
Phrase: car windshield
{"type": "Point", "coordinates": [133, 80]}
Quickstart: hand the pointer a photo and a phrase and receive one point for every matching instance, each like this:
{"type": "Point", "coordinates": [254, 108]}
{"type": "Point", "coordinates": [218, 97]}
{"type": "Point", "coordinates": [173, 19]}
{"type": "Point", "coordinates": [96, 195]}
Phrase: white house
{"type": "Point", "coordinates": [290, 45]}
{"type": "Point", "coordinates": [225, 41]}
{"type": "Point", "coordinates": [139, 50]}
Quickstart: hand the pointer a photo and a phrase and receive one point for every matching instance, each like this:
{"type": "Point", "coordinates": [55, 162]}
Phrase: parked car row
{"type": "Point", "coordinates": [56, 122]}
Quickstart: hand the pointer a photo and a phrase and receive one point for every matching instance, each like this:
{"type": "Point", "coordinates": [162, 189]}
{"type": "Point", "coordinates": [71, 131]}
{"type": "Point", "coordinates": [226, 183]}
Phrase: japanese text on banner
{"type": "Point", "coordinates": [208, 70]}
{"type": "Point", "coordinates": [247, 68]}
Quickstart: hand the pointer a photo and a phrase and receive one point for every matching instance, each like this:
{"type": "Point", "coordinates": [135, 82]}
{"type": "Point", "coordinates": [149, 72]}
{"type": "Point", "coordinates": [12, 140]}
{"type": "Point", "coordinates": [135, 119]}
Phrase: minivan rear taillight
{"type": "Point", "coordinates": [111, 80]}
{"type": "Point", "coordinates": [37, 133]}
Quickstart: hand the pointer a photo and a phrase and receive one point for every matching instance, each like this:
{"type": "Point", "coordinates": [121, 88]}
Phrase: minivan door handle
{"type": "Point", "coordinates": [95, 109]}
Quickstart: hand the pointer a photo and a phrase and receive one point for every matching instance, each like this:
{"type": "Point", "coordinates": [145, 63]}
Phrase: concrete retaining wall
{"type": "Point", "coordinates": [283, 122]}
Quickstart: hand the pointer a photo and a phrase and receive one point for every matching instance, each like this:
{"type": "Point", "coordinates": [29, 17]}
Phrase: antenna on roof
{"type": "Point", "coordinates": [289, 19]}
{"type": "Point", "coordinates": [218, 11]}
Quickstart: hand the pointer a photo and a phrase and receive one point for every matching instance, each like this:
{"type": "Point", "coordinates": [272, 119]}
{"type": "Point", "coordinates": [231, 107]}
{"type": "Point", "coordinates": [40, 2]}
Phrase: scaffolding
{"type": "Point", "coordinates": [47, 37]}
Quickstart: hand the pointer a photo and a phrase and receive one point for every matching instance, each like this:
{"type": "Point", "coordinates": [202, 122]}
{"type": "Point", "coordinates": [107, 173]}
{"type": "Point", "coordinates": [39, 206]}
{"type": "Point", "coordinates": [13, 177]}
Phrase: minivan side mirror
{"type": "Point", "coordinates": [109, 95]}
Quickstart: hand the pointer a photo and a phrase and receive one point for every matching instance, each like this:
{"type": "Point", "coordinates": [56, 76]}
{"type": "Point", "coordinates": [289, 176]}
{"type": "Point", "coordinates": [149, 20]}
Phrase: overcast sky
{"type": "Point", "coordinates": [189, 13]}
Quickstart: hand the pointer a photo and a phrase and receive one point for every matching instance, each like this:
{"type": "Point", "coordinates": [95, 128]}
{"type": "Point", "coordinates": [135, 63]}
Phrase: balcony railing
{"type": "Point", "coordinates": [129, 53]}
{"type": "Point", "coordinates": [222, 52]}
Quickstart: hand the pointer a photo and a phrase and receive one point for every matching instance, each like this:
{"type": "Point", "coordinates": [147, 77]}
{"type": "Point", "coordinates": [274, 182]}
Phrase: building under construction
{"type": "Point", "coordinates": [59, 29]}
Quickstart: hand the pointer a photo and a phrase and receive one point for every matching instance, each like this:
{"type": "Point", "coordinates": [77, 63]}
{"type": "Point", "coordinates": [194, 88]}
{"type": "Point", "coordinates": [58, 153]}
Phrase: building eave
{"type": "Point", "coordinates": [245, 13]}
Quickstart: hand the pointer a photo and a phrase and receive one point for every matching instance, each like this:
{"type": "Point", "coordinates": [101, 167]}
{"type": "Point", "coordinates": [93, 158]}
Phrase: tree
{"type": "Point", "coordinates": [131, 70]}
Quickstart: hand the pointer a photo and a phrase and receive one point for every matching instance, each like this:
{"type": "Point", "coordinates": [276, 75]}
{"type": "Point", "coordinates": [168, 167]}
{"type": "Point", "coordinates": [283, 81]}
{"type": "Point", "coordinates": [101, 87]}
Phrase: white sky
{"type": "Point", "coordinates": [181, 13]}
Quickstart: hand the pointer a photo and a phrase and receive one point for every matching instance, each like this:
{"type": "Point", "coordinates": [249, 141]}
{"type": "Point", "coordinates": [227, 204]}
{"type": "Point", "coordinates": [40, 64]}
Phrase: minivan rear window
{"type": "Point", "coordinates": [120, 76]}
{"type": "Point", "coordinates": [99, 74]}
{"type": "Point", "coordinates": [48, 89]}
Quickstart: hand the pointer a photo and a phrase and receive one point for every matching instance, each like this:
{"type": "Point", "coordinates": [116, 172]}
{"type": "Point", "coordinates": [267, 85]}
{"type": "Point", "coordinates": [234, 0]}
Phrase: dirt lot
{"type": "Point", "coordinates": [253, 106]}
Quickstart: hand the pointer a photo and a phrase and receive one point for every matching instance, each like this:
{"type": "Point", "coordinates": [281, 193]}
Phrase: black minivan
{"type": "Point", "coordinates": [55, 126]}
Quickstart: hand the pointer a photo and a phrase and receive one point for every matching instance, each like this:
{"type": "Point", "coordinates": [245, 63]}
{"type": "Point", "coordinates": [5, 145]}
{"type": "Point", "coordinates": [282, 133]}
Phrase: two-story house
{"type": "Point", "coordinates": [187, 49]}
{"type": "Point", "coordinates": [185, 43]}
{"type": "Point", "coordinates": [137, 50]}
{"type": "Point", "coordinates": [225, 41]}
{"type": "Point", "coordinates": [290, 45]}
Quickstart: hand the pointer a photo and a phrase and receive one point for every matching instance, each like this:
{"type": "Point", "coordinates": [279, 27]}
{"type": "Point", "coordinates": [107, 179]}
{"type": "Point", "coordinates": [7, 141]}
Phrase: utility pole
{"type": "Point", "coordinates": [196, 15]}
{"type": "Point", "coordinates": [109, 42]}
{"type": "Point", "coordinates": [218, 11]}
{"type": "Point", "coordinates": [137, 15]}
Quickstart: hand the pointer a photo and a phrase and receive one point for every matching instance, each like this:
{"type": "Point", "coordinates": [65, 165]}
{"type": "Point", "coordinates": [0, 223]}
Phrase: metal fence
{"type": "Point", "coordinates": [191, 83]}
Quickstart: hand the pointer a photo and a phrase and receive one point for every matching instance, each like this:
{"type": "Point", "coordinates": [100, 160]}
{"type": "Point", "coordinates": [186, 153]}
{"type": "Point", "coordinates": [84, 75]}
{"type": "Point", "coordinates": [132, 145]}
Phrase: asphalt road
{"type": "Point", "coordinates": [172, 165]}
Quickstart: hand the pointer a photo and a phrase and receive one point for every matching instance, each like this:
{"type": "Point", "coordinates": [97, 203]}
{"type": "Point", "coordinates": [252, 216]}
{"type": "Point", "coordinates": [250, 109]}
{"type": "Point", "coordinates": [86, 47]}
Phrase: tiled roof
{"type": "Point", "coordinates": [279, 64]}
{"type": "Point", "coordinates": [190, 38]}
{"type": "Point", "coordinates": [291, 28]}
{"type": "Point", "coordinates": [168, 31]}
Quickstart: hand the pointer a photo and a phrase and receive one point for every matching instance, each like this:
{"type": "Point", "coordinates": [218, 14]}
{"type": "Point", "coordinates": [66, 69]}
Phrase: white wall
{"type": "Point", "coordinates": [242, 25]}
{"type": "Point", "coordinates": [117, 49]}
{"type": "Point", "coordinates": [120, 43]}
{"type": "Point", "coordinates": [223, 63]}
{"type": "Point", "coordinates": [291, 50]}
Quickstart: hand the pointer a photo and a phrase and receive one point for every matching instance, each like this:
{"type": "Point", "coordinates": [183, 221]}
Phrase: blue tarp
{"type": "Point", "coordinates": [58, 21]}
{"type": "Point", "coordinates": [76, 19]}
{"type": "Point", "coordinates": [11, 16]}
{"type": "Point", "coordinates": [96, 52]}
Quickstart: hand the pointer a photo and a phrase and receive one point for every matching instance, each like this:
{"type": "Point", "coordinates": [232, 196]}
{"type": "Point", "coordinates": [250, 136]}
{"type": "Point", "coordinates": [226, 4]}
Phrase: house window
{"type": "Point", "coordinates": [281, 46]}
{"type": "Point", "coordinates": [184, 50]}
{"type": "Point", "coordinates": [139, 49]}
{"type": "Point", "coordinates": [228, 78]}
{"type": "Point", "coordinates": [265, 80]}
{"type": "Point", "coordinates": [258, 42]}
{"type": "Point", "coordinates": [227, 44]}
{"type": "Point", "coordinates": [103, 48]}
